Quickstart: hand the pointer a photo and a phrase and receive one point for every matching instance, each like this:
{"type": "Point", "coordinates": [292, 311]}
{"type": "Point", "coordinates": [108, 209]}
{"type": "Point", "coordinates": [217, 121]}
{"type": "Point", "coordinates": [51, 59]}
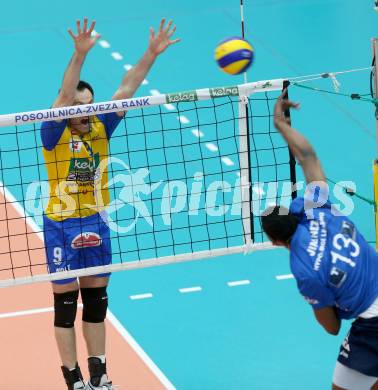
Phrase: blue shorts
{"type": "Point", "coordinates": [76, 243]}
{"type": "Point", "coordinates": [359, 351]}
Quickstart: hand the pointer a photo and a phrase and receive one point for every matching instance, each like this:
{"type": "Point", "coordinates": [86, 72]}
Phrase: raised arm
{"type": "Point", "coordinates": [298, 144]}
{"type": "Point", "coordinates": [158, 44]}
{"type": "Point", "coordinates": [83, 43]}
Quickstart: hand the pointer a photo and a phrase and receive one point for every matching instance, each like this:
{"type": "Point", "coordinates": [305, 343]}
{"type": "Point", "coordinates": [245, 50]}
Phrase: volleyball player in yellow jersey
{"type": "Point", "coordinates": [76, 236]}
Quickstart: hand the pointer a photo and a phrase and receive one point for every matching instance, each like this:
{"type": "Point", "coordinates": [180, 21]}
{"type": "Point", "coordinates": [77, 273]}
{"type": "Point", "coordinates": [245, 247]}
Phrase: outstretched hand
{"type": "Point", "coordinates": [281, 106]}
{"type": "Point", "coordinates": [160, 41]}
{"type": "Point", "coordinates": [84, 41]}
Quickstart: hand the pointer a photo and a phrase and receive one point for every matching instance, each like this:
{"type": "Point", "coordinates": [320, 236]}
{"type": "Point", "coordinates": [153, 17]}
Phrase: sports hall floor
{"type": "Point", "coordinates": [260, 335]}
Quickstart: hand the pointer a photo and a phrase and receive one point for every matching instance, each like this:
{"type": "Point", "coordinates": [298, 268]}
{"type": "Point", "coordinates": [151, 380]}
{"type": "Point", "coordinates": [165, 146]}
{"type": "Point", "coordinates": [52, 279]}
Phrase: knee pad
{"type": "Point", "coordinates": [95, 304]}
{"type": "Point", "coordinates": [65, 307]}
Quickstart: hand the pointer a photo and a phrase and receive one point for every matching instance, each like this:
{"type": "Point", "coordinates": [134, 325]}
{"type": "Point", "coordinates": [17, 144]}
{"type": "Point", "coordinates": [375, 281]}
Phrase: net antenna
{"type": "Point", "coordinates": [243, 31]}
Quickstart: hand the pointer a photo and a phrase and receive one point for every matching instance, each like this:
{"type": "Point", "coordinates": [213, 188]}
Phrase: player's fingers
{"type": "Point", "coordinates": [78, 26]}
{"type": "Point", "coordinates": [85, 25]}
{"type": "Point", "coordinates": [71, 33]}
{"type": "Point", "coordinates": [168, 26]}
{"type": "Point", "coordinates": [152, 33]}
{"type": "Point", "coordinates": [171, 32]}
{"type": "Point", "coordinates": [97, 37]}
{"type": "Point", "coordinates": [161, 24]}
{"type": "Point", "coordinates": [296, 105]}
{"type": "Point", "coordinates": [289, 104]}
{"type": "Point", "coordinates": [174, 41]}
{"type": "Point", "coordinates": [92, 26]}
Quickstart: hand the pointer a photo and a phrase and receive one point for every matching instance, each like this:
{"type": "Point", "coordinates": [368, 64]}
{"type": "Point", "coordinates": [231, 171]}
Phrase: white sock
{"type": "Point", "coordinates": [101, 357]}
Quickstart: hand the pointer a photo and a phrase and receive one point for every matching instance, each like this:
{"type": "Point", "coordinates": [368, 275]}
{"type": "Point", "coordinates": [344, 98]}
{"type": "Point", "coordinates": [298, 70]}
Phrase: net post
{"type": "Point", "coordinates": [292, 161]}
{"type": "Point", "coordinates": [375, 162]}
{"type": "Point", "coordinates": [245, 172]}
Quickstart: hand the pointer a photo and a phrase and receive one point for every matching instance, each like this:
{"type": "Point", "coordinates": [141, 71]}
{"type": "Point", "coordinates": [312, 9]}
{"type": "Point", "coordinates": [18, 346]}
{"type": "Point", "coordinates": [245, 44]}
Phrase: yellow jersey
{"type": "Point", "coordinates": [77, 167]}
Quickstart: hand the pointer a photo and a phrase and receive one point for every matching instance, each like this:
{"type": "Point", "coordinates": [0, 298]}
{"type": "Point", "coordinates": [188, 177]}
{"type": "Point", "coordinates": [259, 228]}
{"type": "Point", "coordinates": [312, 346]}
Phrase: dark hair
{"type": "Point", "coordinates": [278, 223]}
{"type": "Point", "coordinates": [84, 85]}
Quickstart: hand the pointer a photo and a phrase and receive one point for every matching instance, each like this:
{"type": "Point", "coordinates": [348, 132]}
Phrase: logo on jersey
{"type": "Point", "coordinates": [75, 145]}
{"type": "Point", "coordinates": [86, 240]}
{"type": "Point", "coordinates": [83, 169]}
{"type": "Point", "coordinates": [337, 277]}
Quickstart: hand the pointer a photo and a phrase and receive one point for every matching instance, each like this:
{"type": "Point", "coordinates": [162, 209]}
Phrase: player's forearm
{"type": "Point", "coordinates": [135, 76]}
{"type": "Point", "coordinates": [297, 143]}
{"type": "Point", "coordinates": [71, 78]}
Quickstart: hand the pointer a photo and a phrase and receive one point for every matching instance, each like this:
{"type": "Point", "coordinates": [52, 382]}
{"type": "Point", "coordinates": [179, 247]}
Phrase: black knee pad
{"type": "Point", "coordinates": [95, 304]}
{"type": "Point", "coordinates": [65, 307]}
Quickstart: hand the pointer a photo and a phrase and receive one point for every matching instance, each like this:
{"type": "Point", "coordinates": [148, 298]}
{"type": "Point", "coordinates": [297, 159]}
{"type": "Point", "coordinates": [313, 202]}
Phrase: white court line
{"type": "Point", "coordinates": [187, 290]}
{"type": "Point", "coordinates": [169, 106]}
{"type": "Point", "coordinates": [117, 56]}
{"type": "Point", "coordinates": [183, 119]}
{"type": "Point", "coordinates": [31, 312]}
{"type": "Point", "coordinates": [141, 296]}
{"type": "Point", "coordinates": [227, 161]}
{"type": "Point", "coordinates": [111, 317]}
{"type": "Point", "coordinates": [127, 66]}
{"type": "Point", "coordinates": [145, 82]}
{"type": "Point", "coordinates": [104, 44]}
{"type": "Point", "coordinates": [239, 283]}
{"type": "Point", "coordinates": [140, 352]}
{"type": "Point", "coordinates": [212, 147]}
{"type": "Point", "coordinates": [10, 199]}
{"type": "Point", "coordinates": [284, 277]}
{"type": "Point", "coordinates": [197, 133]}
{"type": "Point", "coordinates": [27, 312]}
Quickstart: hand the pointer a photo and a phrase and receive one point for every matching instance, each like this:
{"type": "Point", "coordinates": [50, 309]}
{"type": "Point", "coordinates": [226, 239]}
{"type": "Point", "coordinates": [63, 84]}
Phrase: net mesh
{"type": "Point", "coordinates": [174, 175]}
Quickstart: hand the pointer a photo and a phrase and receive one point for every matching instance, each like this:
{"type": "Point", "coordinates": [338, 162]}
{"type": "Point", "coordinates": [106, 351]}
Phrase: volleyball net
{"type": "Point", "coordinates": [188, 175]}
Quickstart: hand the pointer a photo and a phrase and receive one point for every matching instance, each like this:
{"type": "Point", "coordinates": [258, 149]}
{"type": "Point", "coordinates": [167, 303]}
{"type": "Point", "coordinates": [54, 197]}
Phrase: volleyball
{"type": "Point", "coordinates": [234, 55]}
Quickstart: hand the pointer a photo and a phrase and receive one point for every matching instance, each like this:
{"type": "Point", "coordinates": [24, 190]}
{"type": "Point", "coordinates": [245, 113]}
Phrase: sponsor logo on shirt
{"type": "Point", "coordinates": [314, 240]}
{"type": "Point", "coordinates": [318, 239]}
{"type": "Point", "coordinates": [86, 240]}
{"type": "Point", "coordinates": [75, 145]}
{"type": "Point", "coordinates": [337, 277]}
{"type": "Point", "coordinates": [83, 169]}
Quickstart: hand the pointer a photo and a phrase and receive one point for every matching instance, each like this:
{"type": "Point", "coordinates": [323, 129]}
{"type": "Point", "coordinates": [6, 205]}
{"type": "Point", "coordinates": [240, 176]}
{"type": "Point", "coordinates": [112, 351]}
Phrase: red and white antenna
{"type": "Point", "coordinates": [243, 31]}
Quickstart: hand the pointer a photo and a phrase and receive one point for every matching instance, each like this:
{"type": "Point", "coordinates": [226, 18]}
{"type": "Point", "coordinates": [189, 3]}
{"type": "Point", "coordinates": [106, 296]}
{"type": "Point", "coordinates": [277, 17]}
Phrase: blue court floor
{"type": "Point", "coordinates": [260, 335]}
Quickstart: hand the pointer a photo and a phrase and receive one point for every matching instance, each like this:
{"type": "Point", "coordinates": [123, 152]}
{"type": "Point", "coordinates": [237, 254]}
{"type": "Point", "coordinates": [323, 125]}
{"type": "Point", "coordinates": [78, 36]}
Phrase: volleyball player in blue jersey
{"type": "Point", "coordinates": [75, 235]}
{"type": "Point", "coordinates": [336, 270]}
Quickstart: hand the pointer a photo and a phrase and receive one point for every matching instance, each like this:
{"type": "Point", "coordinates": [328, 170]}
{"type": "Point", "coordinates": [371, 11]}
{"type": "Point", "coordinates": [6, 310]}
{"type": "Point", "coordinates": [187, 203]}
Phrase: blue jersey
{"type": "Point", "coordinates": [331, 261]}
